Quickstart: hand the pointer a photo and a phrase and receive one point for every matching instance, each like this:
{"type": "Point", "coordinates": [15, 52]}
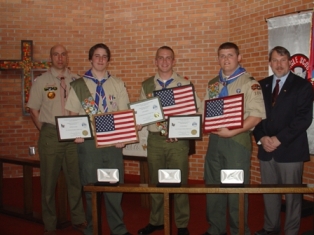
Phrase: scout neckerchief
{"type": "Point", "coordinates": [231, 79]}
{"type": "Point", "coordinates": [100, 92]}
{"type": "Point", "coordinates": [164, 84]}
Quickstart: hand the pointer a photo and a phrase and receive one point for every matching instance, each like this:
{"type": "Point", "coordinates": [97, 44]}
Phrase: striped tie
{"type": "Point", "coordinates": [100, 94]}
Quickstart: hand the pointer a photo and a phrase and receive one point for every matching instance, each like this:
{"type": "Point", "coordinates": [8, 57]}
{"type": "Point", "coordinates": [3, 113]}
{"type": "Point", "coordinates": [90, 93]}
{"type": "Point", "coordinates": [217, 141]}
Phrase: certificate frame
{"type": "Point", "coordinates": [147, 111]}
{"type": "Point", "coordinates": [78, 125]}
{"type": "Point", "coordinates": [185, 127]}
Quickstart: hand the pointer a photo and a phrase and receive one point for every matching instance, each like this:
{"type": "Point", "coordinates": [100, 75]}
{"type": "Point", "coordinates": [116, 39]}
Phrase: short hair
{"type": "Point", "coordinates": [95, 47]}
{"type": "Point", "coordinates": [165, 48]}
{"type": "Point", "coordinates": [280, 50]}
{"type": "Point", "coordinates": [229, 45]}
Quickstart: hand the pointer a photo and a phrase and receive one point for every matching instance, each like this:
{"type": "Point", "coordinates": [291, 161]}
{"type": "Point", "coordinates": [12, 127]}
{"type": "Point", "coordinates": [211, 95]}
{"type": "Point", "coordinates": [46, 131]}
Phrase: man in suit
{"type": "Point", "coordinates": [282, 139]}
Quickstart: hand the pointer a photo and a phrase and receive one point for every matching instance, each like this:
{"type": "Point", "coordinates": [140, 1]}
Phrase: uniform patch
{"type": "Point", "coordinates": [255, 87]}
{"type": "Point", "coordinates": [51, 95]}
{"type": "Point", "coordinates": [51, 91]}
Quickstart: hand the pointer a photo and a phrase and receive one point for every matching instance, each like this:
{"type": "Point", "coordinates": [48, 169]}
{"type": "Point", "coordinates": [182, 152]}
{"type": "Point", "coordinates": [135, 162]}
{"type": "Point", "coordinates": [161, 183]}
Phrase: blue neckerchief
{"type": "Point", "coordinates": [231, 79]}
{"type": "Point", "coordinates": [164, 85]}
{"type": "Point", "coordinates": [100, 92]}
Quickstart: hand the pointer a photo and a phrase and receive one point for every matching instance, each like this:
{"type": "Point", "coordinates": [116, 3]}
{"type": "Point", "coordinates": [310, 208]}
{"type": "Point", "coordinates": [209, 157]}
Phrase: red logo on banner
{"type": "Point", "coordinates": [299, 64]}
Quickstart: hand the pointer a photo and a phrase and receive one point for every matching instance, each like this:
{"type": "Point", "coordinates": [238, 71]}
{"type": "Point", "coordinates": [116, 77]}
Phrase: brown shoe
{"type": "Point", "coordinates": [50, 232]}
{"type": "Point", "coordinates": [80, 227]}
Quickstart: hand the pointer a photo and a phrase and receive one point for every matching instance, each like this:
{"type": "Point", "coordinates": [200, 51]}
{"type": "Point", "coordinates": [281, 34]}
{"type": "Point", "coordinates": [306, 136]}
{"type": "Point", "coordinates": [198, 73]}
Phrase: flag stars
{"type": "Point", "coordinates": [214, 108]}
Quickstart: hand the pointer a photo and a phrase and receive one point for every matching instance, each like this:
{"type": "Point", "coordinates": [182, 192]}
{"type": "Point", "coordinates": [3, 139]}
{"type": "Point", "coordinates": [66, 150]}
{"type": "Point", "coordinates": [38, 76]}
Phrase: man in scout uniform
{"type": "Point", "coordinates": [47, 100]}
{"type": "Point", "coordinates": [99, 92]}
{"type": "Point", "coordinates": [231, 149]}
{"type": "Point", "coordinates": [163, 154]}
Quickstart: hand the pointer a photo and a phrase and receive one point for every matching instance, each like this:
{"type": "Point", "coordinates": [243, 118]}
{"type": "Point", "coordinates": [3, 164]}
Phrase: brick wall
{"type": "Point", "coordinates": [134, 30]}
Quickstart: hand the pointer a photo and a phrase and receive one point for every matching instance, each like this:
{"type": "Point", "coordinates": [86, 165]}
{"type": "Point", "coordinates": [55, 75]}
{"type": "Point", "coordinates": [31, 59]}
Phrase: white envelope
{"type": "Point", "coordinates": [169, 176]}
{"type": "Point", "coordinates": [108, 175]}
{"type": "Point", "coordinates": [232, 176]}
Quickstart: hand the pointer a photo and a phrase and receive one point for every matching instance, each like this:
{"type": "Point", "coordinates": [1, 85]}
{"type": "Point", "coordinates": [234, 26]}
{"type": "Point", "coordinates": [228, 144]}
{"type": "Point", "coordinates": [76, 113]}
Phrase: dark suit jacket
{"type": "Point", "coordinates": [288, 119]}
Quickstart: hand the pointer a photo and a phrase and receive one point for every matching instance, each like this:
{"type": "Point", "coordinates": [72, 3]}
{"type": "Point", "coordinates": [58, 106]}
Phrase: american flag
{"type": "Point", "coordinates": [177, 101]}
{"type": "Point", "coordinates": [223, 112]}
{"type": "Point", "coordinates": [115, 127]}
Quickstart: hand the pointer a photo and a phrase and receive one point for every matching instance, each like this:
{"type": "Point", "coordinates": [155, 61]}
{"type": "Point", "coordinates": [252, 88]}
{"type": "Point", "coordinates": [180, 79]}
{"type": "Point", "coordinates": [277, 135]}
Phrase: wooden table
{"type": "Point", "coordinates": [27, 213]}
{"type": "Point", "coordinates": [144, 177]}
{"type": "Point", "coordinates": [145, 188]}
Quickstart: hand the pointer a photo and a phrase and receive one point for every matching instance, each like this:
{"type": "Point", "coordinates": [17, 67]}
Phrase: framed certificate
{"type": "Point", "coordinates": [147, 111]}
{"type": "Point", "coordinates": [72, 127]}
{"type": "Point", "coordinates": [185, 127]}
{"type": "Point", "coordinates": [115, 127]}
{"type": "Point", "coordinates": [223, 112]}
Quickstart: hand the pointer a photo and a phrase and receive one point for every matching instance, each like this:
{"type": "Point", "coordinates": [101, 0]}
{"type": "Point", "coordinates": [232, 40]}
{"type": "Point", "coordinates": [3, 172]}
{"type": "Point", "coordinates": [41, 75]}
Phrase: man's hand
{"type": "Point", "coordinates": [276, 142]}
{"type": "Point", "coordinates": [172, 140]}
{"type": "Point", "coordinates": [79, 140]}
{"type": "Point", "coordinates": [120, 145]}
{"type": "Point", "coordinates": [139, 127]}
{"type": "Point", "coordinates": [224, 132]}
{"type": "Point", "coordinates": [269, 144]}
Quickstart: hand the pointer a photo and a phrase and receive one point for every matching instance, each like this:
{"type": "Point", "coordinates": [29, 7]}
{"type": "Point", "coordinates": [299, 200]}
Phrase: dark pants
{"type": "Point", "coordinates": [91, 159]}
{"type": "Point", "coordinates": [54, 156]}
{"type": "Point", "coordinates": [163, 155]}
{"type": "Point", "coordinates": [225, 153]}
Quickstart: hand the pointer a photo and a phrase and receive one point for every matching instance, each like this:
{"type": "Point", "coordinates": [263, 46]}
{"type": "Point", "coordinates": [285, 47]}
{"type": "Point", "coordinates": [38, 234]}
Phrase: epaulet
{"type": "Point", "coordinates": [214, 80]}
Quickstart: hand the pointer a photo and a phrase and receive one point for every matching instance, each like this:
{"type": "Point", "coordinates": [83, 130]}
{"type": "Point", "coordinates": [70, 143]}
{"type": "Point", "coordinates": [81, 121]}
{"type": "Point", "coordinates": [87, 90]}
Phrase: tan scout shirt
{"type": "Point", "coordinates": [115, 91]}
{"type": "Point", "coordinates": [45, 94]}
{"type": "Point", "coordinates": [177, 81]}
{"type": "Point", "coordinates": [253, 97]}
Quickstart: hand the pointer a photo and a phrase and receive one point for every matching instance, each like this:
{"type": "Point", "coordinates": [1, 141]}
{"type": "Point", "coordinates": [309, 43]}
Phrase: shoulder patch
{"type": "Point", "coordinates": [256, 87]}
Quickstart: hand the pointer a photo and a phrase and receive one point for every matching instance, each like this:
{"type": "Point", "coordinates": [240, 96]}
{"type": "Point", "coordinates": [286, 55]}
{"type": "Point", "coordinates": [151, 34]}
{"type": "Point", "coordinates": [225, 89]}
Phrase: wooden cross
{"type": "Point", "coordinates": [27, 66]}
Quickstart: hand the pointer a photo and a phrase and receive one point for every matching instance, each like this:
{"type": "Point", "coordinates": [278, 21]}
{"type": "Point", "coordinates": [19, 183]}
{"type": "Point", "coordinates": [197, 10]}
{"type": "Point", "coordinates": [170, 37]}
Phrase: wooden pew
{"type": "Point", "coordinates": [166, 191]}
{"type": "Point", "coordinates": [27, 212]}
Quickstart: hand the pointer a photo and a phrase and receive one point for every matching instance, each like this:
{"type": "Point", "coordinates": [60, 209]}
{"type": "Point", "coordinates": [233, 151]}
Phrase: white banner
{"type": "Point", "coordinates": [294, 32]}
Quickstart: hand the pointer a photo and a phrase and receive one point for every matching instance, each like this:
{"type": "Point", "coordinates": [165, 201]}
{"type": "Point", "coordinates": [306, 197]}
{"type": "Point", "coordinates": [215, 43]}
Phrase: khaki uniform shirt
{"type": "Point", "coordinates": [116, 96]}
{"type": "Point", "coordinates": [253, 97]}
{"type": "Point", "coordinates": [177, 81]}
{"type": "Point", "coordinates": [45, 94]}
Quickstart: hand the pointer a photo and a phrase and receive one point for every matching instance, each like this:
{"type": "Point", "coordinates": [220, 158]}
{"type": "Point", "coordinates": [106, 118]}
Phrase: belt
{"type": "Point", "coordinates": [154, 132]}
{"type": "Point", "coordinates": [49, 125]}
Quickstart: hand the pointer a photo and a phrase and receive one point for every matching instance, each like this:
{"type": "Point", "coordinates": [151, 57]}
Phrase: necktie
{"type": "Point", "coordinates": [165, 84]}
{"type": "Point", "coordinates": [275, 91]}
{"type": "Point", "coordinates": [63, 94]}
{"type": "Point", "coordinates": [100, 94]}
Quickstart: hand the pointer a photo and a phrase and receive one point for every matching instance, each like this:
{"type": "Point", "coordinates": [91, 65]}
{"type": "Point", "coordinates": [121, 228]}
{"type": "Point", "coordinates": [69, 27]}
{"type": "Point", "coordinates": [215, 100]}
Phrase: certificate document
{"type": "Point", "coordinates": [147, 111]}
{"type": "Point", "coordinates": [185, 127]}
{"type": "Point", "coordinates": [72, 127]}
